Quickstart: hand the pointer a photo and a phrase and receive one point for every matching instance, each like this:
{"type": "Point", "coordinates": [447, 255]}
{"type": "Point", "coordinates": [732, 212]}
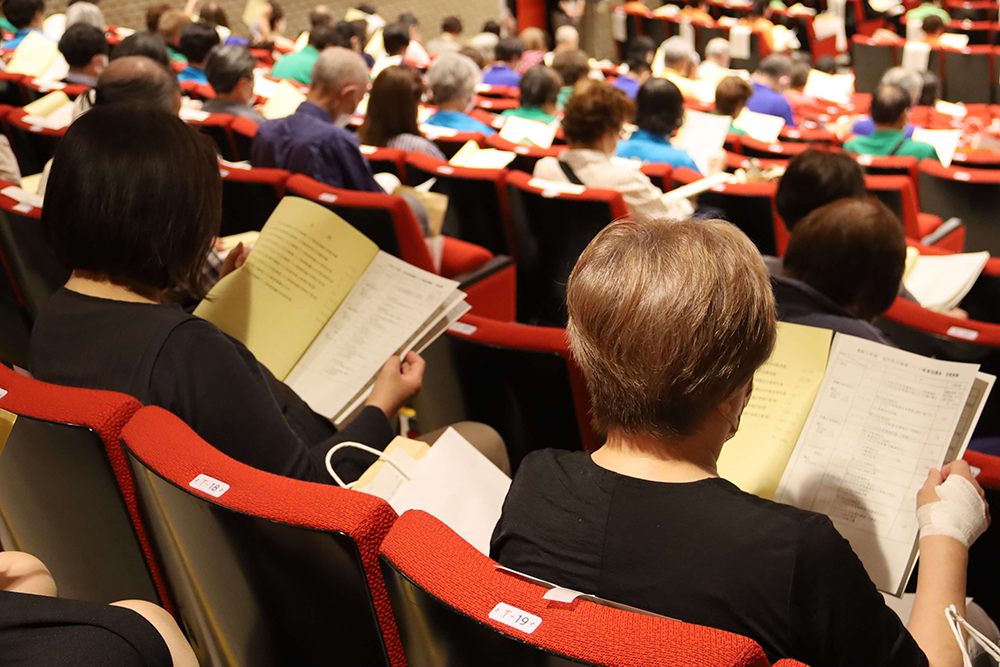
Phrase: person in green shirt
{"type": "Point", "coordinates": [298, 66]}
{"type": "Point", "coordinates": [7, 26]}
{"type": "Point", "coordinates": [890, 108]}
{"type": "Point", "coordinates": [540, 88]}
{"type": "Point", "coordinates": [927, 9]}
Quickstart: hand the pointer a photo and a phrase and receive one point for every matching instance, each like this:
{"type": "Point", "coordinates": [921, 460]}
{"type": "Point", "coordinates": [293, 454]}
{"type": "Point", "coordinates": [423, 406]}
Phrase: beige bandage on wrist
{"type": "Point", "coordinates": [961, 512]}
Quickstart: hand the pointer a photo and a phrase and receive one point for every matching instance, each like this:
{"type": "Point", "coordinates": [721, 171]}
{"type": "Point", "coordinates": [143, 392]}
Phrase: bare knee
{"type": "Point", "coordinates": [180, 650]}
{"type": "Point", "coordinates": [23, 573]}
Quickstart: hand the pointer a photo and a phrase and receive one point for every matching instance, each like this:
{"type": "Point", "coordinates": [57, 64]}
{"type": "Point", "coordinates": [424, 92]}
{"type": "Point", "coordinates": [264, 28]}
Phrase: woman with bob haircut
{"type": "Point", "coordinates": [668, 321]}
{"type": "Point", "coordinates": [592, 123]}
{"type": "Point", "coordinates": [393, 104]}
{"type": "Point", "coordinates": [133, 205]}
{"type": "Point", "coordinates": [659, 114]}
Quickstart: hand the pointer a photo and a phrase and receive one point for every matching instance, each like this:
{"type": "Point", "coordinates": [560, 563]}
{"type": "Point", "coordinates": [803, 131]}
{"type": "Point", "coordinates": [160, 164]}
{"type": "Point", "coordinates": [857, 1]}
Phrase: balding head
{"type": "Point", "coordinates": [567, 38]}
{"type": "Point", "coordinates": [138, 79]}
{"type": "Point", "coordinates": [339, 81]}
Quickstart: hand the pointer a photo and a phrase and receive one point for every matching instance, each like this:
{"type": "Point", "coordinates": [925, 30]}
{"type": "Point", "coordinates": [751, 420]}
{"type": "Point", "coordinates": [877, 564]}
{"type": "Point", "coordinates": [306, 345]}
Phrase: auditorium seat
{"type": "Point", "coordinates": [969, 76]}
{"type": "Point", "coordinates": [890, 165]}
{"type": "Point", "coordinates": [816, 138]}
{"type": "Point", "coordinates": [266, 570]}
{"type": "Point", "coordinates": [525, 156]}
{"type": "Point", "coordinates": [33, 145]}
{"type": "Point", "coordinates": [660, 174]}
{"type": "Point", "coordinates": [972, 195]}
{"type": "Point", "coordinates": [66, 493]}
{"type": "Point", "coordinates": [780, 150]}
{"type": "Point", "coordinates": [450, 141]}
{"type": "Point", "coordinates": [218, 126]}
{"type": "Point", "coordinates": [551, 229]}
{"type": "Point", "coordinates": [477, 201]}
{"type": "Point", "coordinates": [12, 90]}
{"type": "Point", "coordinates": [758, 51]}
{"type": "Point", "coordinates": [534, 396]}
{"type": "Point", "coordinates": [243, 131]}
{"type": "Point", "coordinates": [37, 88]}
{"type": "Point", "coordinates": [31, 263]}
{"type": "Point", "coordinates": [451, 603]}
{"type": "Point", "coordinates": [501, 92]}
{"type": "Point", "coordinates": [900, 195]}
{"type": "Point", "coordinates": [871, 59]}
{"type": "Point", "coordinates": [749, 206]}
{"type": "Point", "coordinates": [386, 160]}
{"type": "Point", "coordinates": [249, 196]}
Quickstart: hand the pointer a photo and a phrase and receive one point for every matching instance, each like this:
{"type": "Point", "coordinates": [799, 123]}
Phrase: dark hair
{"type": "Point", "coordinates": [319, 17]}
{"type": "Point", "coordinates": [367, 9]}
{"type": "Point", "coordinates": [814, 179]}
{"type": "Point", "coordinates": [509, 48]}
{"type": "Point", "coordinates": [343, 32]}
{"type": "Point", "coordinates": [595, 109]}
{"type": "Point", "coordinates": [139, 81]}
{"type": "Point", "coordinates": [213, 14]}
{"type": "Point", "coordinates": [775, 66]}
{"type": "Point", "coordinates": [540, 86]}
{"type": "Point", "coordinates": [408, 19]}
{"type": "Point", "coordinates": [731, 95]}
{"type": "Point", "coordinates": [930, 91]}
{"type": "Point", "coordinates": [638, 49]}
{"type": "Point", "coordinates": [853, 251]}
{"type": "Point", "coordinates": [395, 38]}
{"type": "Point", "coordinates": [81, 42]}
{"type": "Point", "coordinates": [153, 14]}
{"type": "Point", "coordinates": [571, 65]}
{"type": "Point", "coordinates": [827, 65]}
{"type": "Point", "coordinates": [393, 102]}
{"type": "Point", "coordinates": [134, 194]}
{"type": "Point", "coordinates": [659, 107]}
{"type": "Point", "coordinates": [475, 55]}
{"type": "Point", "coordinates": [492, 27]}
{"type": "Point", "coordinates": [324, 36]}
{"type": "Point", "coordinates": [451, 24]}
{"type": "Point", "coordinates": [277, 13]}
{"type": "Point", "coordinates": [800, 74]}
{"type": "Point", "coordinates": [142, 44]}
{"type": "Point", "coordinates": [932, 24]}
{"type": "Point", "coordinates": [197, 39]}
{"type": "Point", "coordinates": [889, 103]}
{"type": "Point", "coordinates": [758, 8]}
{"type": "Point", "coordinates": [227, 66]}
{"type": "Point", "coordinates": [22, 12]}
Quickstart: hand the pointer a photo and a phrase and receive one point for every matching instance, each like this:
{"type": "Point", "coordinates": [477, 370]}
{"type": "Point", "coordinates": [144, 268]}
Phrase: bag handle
{"type": "Point", "coordinates": [365, 448]}
{"type": "Point", "coordinates": [957, 624]}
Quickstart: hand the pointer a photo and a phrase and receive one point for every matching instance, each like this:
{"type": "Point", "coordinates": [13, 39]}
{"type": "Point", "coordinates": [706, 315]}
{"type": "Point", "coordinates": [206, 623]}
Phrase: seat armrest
{"type": "Point", "coordinates": [947, 227]}
{"type": "Point", "coordinates": [492, 289]}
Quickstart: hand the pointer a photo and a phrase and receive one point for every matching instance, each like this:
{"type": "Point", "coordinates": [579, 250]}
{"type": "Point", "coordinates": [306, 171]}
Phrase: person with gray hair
{"type": "Point", "coordinates": [773, 76]}
{"type": "Point", "coordinates": [674, 60]}
{"type": "Point", "coordinates": [717, 60]}
{"type": "Point", "coordinates": [567, 38]}
{"type": "Point", "coordinates": [908, 80]}
{"type": "Point", "coordinates": [453, 78]}
{"type": "Point", "coordinates": [229, 70]}
{"type": "Point", "coordinates": [313, 140]}
{"type": "Point", "coordinates": [85, 12]}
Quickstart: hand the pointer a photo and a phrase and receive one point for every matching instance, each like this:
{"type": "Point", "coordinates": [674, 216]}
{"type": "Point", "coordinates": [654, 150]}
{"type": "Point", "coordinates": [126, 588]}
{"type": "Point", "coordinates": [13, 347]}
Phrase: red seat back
{"type": "Point", "coordinates": [388, 160]}
{"type": "Point", "coordinates": [243, 131]}
{"type": "Point", "coordinates": [973, 195]}
{"type": "Point", "coordinates": [249, 196]}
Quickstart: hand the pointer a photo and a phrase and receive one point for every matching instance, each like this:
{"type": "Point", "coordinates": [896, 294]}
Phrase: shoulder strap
{"type": "Point", "coordinates": [570, 174]}
{"type": "Point", "coordinates": [899, 144]}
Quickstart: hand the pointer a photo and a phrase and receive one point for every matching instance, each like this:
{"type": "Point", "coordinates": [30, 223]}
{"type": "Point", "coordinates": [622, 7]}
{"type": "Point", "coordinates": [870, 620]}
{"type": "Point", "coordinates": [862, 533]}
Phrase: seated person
{"type": "Point", "coordinates": [717, 59]}
{"type": "Point", "coordinates": [197, 41]}
{"type": "Point", "coordinates": [229, 70]}
{"type": "Point", "coordinates": [86, 52]}
{"type": "Point", "coordinates": [36, 627]}
{"type": "Point", "coordinates": [416, 54]}
{"type": "Point", "coordinates": [933, 27]}
{"type": "Point", "coordinates": [890, 110]}
{"type": "Point", "coordinates": [592, 124]}
{"type": "Point", "coordinates": [540, 88]}
{"type": "Point", "coordinates": [142, 44]}
{"type": "Point", "coordinates": [535, 46]}
{"type": "Point", "coordinates": [486, 44]}
{"type": "Point", "coordinates": [110, 327]}
{"type": "Point", "coordinates": [448, 40]}
{"type": "Point", "coordinates": [769, 82]}
{"type": "Point", "coordinates": [85, 12]}
{"type": "Point", "coordinates": [813, 179]}
{"type": "Point", "coordinates": [842, 268]}
{"type": "Point", "coordinates": [930, 91]}
{"type": "Point", "coordinates": [675, 60]}
{"type": "Point", "coordinates": [453, 78]}
{"type": "Point", "coordinates": [659, 114]}
{"type": "Point", "coordinates": [313, 141]}
{"type": "Point", "coordinates": [503, 70]}
{"type": "Point", "coordinates": [925, 9]}
{"type": "Point", "coordinates": [475, 55]}
{"type": "Point", "coordinates": [169, 28]}
{"type": "Point", "coordinates": [395, 40]}
{"type": "Point", "coordinates": [796, 93]}
{"type": "Point", "coordinates": [638, 60]}
{"type": "Point", "coordinates": [266, 32]}
{"type": "Point", "coordinates": [731, 97]}
{"type": "Point", "coordinates": [756, 19]}
{"type": "Point", "coordinates": [298, 65]}
{"type": "Point", "coordinates": [24, 16]}
{"type": "Point", "coordinates": [391, 121]}
{"type": "Point", "coordinates": [906, 79]}
{"type": "Point", "coordinates": [646, 520]}
{"type": "Point", "coordinates": [572, 65]}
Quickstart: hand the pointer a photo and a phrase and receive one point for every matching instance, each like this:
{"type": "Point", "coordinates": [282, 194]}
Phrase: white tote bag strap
{"type": "Point", "coordinates": [365, 448]}
{"type": "Point", "coordinates": [957, 624]}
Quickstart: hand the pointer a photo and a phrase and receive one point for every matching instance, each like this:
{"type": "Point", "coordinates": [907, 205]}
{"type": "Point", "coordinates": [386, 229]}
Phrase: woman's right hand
{"type": "Point", "coordinates": [970, 513]}
{"type": "Point", "coordinates": [397, 383]}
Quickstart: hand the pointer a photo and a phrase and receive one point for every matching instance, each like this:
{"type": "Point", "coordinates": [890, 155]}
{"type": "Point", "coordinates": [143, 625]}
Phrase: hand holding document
{"type": "Point", "coordinates": [759, 126]}
{"type": "Point", "coordinates": [34, 55]}
{"type": "Point", "coordinates": [284, 100]}
{"type": "Point", "coordinates": [940, 282]}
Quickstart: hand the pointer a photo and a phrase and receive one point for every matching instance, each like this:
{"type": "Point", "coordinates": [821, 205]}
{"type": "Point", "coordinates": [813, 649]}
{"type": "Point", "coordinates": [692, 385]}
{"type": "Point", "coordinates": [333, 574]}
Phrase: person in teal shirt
{"type": "Point", "coordinates": [298, 66]}
{"type": "Point", "coordinates": [539, 95]}
{"type": "Point", "coordinates": [453, 78]}
{"type": "Point", "coordinates": [928, 9]}
{"type": "Point", "coordinates": [197, 40]}
{"type": "Point", "coordinates": [890, 107]}
{"type": "Point", "coordinates": [659, 114]}
{"type": "Point", "coordinates": [23, 16]}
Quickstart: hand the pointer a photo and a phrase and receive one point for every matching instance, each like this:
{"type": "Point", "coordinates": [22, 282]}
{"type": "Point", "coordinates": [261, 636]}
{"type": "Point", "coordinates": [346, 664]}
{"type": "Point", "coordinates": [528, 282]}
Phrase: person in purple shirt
{"type": "Point", "coordinates": [771, 79]}
{"type": "Point", "coordinates": [638, 59]}
{"type": "Point", "coordinates": [503, 71]}
{"type": "Point", "coordinates": [313, 141]}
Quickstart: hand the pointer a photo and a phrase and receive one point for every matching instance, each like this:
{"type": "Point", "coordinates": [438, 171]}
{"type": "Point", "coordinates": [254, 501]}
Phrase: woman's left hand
{"type": "Point", "coordinates": [236, 258]}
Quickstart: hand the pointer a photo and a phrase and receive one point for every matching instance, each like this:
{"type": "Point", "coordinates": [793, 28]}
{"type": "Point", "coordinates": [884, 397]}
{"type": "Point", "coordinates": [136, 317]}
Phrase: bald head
{"type": "Point", "coordinates": [567, 38]}
{"type": "Point", "coordinates": [339, 81]}
{"type": "Point", "coordinates": [138, 79]}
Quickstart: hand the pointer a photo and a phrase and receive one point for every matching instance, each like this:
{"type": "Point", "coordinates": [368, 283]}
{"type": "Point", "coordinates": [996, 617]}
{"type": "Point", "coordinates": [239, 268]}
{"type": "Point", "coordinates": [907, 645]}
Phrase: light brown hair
{"type": "Point", "coordinates": [666, 320]}
{"type": "Point", "coordinates": [170, 25]}
{"type": "Point", "coordinates": [731, 95]}
{"type": "Point", "coordinates": [534, 39]}
{"type": "Point", "coordinates": [595, 109]}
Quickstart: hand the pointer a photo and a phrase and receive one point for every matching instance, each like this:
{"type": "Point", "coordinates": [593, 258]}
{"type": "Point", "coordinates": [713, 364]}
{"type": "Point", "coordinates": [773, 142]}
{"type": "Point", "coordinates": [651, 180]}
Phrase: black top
{"type": "Point", "coordinates": [702, 552]}
{"type": "Point", "coordinates": [163, 356]}
{"type": "Point", "coordinates": [37, 631]}
{"type": "Point", "coordinates": [799, 303]}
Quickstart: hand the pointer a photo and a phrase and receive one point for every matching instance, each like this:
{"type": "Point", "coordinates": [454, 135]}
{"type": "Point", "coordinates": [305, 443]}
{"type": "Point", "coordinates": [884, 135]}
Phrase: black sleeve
{"type": "Point", "coordinates": [216, 385]}
{"type": "Point", "coordinates": [839, 617]}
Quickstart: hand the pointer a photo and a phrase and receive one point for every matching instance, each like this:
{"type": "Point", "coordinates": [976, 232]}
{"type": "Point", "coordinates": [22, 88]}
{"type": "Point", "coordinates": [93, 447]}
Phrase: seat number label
{"type": "Point", "coordinates": [515, 618]}
{"type": "Point", "coordinates": [209, 485]}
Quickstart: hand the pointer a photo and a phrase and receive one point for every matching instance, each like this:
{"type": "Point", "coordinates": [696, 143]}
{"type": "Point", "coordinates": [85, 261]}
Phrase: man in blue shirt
{"type": "Point", "coordinates": [502, 71]}
{"type": "Point", "coordinates": [452, 79]}
{"type": "Point", "coordinates": [772, 78]}
{"type": "Point", "coordinates": [197, 40]}
{"type": "Point", "coordinates": [313, 141]}
{"type": "Point", "coordinates": [25, 16]}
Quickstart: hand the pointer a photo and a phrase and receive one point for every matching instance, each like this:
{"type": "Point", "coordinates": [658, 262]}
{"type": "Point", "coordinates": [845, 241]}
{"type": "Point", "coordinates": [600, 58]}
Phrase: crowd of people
{"type": "Point", "coordinates": [671, 311]}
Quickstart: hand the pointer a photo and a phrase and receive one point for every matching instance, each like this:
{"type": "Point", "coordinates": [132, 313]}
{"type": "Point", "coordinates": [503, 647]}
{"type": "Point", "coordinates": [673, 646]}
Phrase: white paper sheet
{"type": "Point", "coordinates": [759, 126]}
{"type": "Point", "coordinates": [916, 55]}
{"type": "Point", "coordinates": [940, 282]}
{"type": "Point", "coordinates": [739, 41]}
{"type": "Point", "coordinates": [520, 130]}
{"type": "Point", "coordinates": [702, 135]}
{"type": "Point", "coordinates": [945, 142]}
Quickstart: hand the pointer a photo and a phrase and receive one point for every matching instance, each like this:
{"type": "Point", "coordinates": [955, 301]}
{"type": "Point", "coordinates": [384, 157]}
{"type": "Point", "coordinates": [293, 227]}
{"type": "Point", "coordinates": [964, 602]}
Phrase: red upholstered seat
{"type": "Point", "coordinates": [525, 156]}
{"type": "Point", "coordinates": [662, 175]}
{"type": "Point", "coordinates": [265, 569]}
{"type": "Point", "coordinates": [33, 145]}
{"type": "Point", "coordinates": [39, 88]}
{"type": "Point", "coordinates": [67, 493]}
{"type": "Point", "coordinates": [219, 127]}
{"type": "Point", "coordinates": [899, 194]}
{"type": "Point", "coordinates": [249, 196]}
{"type": "Point", "coordinates": [780, 150]}
{"type": "Point", "coordinates": [451, 143]}
{"type": "Point", "coordinates": [890, 165]}
{"type": "Point", "coordinates": [443, 593]}
{"type": "Point", "coordinates": [243, 131]}
{"type": "Point", "coordinates": [388, 160]}
{"type": "Point", "coordinates": [972, 195]}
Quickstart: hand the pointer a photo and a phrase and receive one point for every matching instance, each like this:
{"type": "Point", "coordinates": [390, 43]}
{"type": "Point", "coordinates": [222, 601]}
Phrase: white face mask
{"type": "Point", "coordinates": [342, 120]}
